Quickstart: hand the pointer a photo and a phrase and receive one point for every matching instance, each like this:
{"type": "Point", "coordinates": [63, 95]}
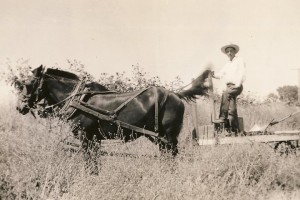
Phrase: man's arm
{"type": "Point", "coordinates": [242, 71]}
{"type": "Point", "coordinates": [214, 75]}
{"type": "Point", "coordinates": [218, 75]}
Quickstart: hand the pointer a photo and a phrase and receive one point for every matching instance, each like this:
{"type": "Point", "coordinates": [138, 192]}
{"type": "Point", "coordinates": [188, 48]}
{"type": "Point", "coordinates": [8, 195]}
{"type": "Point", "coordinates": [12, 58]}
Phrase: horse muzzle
{"type": "Point", "coordinates": [23, 108]}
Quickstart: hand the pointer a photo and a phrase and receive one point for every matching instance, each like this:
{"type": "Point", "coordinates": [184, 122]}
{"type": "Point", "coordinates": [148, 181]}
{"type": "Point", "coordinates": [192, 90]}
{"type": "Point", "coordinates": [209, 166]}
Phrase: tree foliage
{"type": "Point", "coordinates": [16, 73]}
{"type": "Point", "coordinates": [121, 82]}
{"type": "Point", "coordinates": [288, 93]}
{"type": "Point", "coordinates": [78, 68]}
{"type": "Point", "coordinates": [20, 71]}
{"type": "Point", "coordinates": [272, 97]}
{"type": "Point", "coordinates": [139, 79]}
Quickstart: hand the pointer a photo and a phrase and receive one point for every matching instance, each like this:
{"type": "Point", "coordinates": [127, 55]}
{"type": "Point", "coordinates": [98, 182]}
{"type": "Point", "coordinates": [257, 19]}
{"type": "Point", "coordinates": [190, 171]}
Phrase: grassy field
{"type": "Point", "coordinates": [35, 165]}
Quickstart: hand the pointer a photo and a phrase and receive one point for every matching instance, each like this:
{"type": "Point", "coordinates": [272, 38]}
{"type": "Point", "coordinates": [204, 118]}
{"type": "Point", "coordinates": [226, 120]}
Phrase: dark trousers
{"type": "Point", "coordinates": [228, 109]}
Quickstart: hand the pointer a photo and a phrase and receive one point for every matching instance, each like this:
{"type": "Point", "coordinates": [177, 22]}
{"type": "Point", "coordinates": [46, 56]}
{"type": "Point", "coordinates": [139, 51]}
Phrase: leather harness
{"type": "Point", "coordinates": [75, 102]}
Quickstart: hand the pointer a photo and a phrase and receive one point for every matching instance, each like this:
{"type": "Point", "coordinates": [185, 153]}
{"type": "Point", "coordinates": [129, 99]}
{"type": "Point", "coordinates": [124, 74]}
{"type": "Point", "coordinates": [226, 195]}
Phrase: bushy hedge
{"type": "Point", "coordinates": [139, 79]}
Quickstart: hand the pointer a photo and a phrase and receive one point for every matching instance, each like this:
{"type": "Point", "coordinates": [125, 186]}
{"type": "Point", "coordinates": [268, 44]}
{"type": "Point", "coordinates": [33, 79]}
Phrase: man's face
{"type": "Point", "coordinates": [230, 52]}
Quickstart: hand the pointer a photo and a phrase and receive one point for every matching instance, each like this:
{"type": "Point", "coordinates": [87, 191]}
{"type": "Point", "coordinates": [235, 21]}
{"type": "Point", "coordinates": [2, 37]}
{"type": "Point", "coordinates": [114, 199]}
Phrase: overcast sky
{"type": "Point", "coordinates": [167, 38]}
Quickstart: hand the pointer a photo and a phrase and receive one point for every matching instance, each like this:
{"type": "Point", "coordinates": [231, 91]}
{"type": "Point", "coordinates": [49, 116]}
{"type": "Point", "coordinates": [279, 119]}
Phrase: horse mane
{"type": "Point", "coordinates": [62, 74]}
{"type": "Point", "coordinates": [198, 88]}
{"type": "Point", "coordinates": [94, 86]}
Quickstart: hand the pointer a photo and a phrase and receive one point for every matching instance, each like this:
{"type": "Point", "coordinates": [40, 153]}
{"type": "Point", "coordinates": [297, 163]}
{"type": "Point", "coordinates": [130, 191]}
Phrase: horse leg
{"type": "Point", "coordinates": [171, 124]}
{"type": "Point", "coordinates": [171, 133]}
{"type": "Point", "coordinates": [169, 152]}
{"type": "Point", "coordinates": [164, 147]}
{"type": "Point", "coordinates": [170, 147]}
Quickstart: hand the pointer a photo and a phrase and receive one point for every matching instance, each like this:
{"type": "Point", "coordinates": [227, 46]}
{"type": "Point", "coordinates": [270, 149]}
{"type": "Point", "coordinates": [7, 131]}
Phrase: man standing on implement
{"type": "Point", "coordinates": [233, 74]}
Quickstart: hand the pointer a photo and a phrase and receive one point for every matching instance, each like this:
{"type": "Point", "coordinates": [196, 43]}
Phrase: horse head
{"type": "Point", "coordinates": [30, 91]}
{"type": "Point", "coordinates": [46, 88]}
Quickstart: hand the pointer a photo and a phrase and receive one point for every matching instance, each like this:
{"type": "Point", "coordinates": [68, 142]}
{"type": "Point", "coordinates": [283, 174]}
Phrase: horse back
{"type": "Point", "coordinates": [134, 107]}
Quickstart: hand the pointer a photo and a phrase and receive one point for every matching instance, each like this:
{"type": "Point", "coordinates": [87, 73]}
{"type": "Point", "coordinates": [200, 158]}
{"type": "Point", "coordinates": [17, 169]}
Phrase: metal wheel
{"type": "Point", "coordinates": [285, 148]}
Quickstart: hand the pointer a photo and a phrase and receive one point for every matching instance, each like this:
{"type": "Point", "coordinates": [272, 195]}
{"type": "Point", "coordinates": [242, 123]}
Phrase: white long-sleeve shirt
{"type": "Point", "coordinates": [233, 71]}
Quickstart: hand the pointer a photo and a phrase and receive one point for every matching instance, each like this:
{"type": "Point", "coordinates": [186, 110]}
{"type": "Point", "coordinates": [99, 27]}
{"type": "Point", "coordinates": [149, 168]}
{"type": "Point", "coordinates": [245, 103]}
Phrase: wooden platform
{"type": "Point", "coordinates": [249, 139]}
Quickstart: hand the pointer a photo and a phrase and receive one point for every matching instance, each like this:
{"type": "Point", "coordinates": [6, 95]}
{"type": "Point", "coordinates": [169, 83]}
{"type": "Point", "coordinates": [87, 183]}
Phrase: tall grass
{"type": "Point", "coordinates": [34, 164]}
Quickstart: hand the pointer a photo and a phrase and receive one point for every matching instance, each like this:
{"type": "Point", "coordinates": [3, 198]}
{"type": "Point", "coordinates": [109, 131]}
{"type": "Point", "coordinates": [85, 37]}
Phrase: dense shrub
{"type": "Point", "coordinates": [139, 79]}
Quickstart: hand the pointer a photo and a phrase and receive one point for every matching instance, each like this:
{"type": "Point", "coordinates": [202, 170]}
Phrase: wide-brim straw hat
{"type": "Point", "coordinates": [236, 47]}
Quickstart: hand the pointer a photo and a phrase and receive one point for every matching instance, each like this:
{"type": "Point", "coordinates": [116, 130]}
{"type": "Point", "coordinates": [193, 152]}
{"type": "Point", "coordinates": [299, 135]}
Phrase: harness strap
{"type": "Point", "coordinates": [62, 101]}
{"type": "Point", "coordinates": [39, 87]}
{"type": "Point", "coordinates": [156, 110]}
{"type": "Point", "coordinates": [162, 103]}
{"type": "Point", "coordinates": [128, 100]}
{"type": "Point", "coordinates": [69, 99]}
{"type": "Point", "coordinates": [158, 107]}
{"type": "Point", "coordinates": [117, 122]}
{"type": "Point", "coordinates": [96, 92]}
{"type": "Point", "coordinates": [102, 111]}
{"type": "Point", "coordinates": [80, 93]}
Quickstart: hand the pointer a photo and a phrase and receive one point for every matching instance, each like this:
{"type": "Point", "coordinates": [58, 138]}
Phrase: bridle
{"type": "Point", "coordinates": [36, 88]}
{"type": "Point", "coordinates": [30, 100]}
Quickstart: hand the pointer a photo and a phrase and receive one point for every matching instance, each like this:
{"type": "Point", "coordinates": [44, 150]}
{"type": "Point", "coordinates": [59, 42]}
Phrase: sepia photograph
{"type": "Point", "coordinates": [149, 99]}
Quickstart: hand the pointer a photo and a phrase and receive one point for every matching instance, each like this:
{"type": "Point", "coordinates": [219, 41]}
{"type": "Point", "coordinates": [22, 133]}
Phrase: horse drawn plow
{"type": "Point", "coordinates": [211, 135]}
{"type": "Point", "coordinates": [154, 112]}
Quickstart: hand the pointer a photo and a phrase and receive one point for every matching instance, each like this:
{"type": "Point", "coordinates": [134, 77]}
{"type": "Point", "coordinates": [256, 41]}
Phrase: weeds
{"type": "Point", "coordinates": [35, 164]}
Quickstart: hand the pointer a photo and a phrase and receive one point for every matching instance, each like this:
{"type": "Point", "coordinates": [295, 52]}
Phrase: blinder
{"type": "Point", "coordinates": [36, 88]}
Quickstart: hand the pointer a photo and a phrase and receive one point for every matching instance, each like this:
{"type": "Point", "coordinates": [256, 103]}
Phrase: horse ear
{"type": "Point", "coordinates": [38, 71]}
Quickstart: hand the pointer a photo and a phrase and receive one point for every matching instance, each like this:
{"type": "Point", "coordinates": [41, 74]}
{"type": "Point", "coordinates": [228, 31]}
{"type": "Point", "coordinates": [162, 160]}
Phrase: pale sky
{"type": "Point", "coordinates": [167, 38]}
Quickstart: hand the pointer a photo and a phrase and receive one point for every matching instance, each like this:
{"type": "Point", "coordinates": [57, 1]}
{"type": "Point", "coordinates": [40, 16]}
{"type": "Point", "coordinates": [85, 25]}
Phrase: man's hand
{"type": "Point", "coordinates": [213, 75]}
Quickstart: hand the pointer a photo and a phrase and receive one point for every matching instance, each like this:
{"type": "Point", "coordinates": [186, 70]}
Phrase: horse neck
{"type": "Point", "coordinates": [58, 90]}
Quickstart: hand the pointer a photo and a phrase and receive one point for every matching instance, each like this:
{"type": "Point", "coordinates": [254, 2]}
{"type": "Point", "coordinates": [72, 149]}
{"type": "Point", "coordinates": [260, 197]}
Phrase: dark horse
{"type": "Point", "coordinates": [99, 113]}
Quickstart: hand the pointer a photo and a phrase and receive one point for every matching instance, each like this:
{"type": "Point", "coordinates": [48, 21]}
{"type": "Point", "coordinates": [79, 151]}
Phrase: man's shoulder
{"type": "Point", "coordinates": [239, 60]}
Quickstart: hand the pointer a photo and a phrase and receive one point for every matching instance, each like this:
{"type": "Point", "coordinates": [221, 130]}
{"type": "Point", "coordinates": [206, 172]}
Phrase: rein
{"type": "Point", "coordinates": [181, 88]}
{"type": "Point", "coordinates": [77, 94]}
{"type": "Point", "coordinates": [41, 81]}
{"type": "Point", "coordinates": [40, 84]}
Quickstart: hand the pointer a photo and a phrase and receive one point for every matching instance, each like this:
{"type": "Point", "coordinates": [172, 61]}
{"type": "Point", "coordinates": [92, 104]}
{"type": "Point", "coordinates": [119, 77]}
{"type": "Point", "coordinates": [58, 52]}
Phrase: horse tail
{"type": "Point", "coordinates": [199, 87]}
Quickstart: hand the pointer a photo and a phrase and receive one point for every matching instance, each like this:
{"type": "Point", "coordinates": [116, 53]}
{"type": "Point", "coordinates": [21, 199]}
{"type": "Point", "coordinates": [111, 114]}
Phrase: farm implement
{"type": "Point", "coordinates": [217, 133]}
